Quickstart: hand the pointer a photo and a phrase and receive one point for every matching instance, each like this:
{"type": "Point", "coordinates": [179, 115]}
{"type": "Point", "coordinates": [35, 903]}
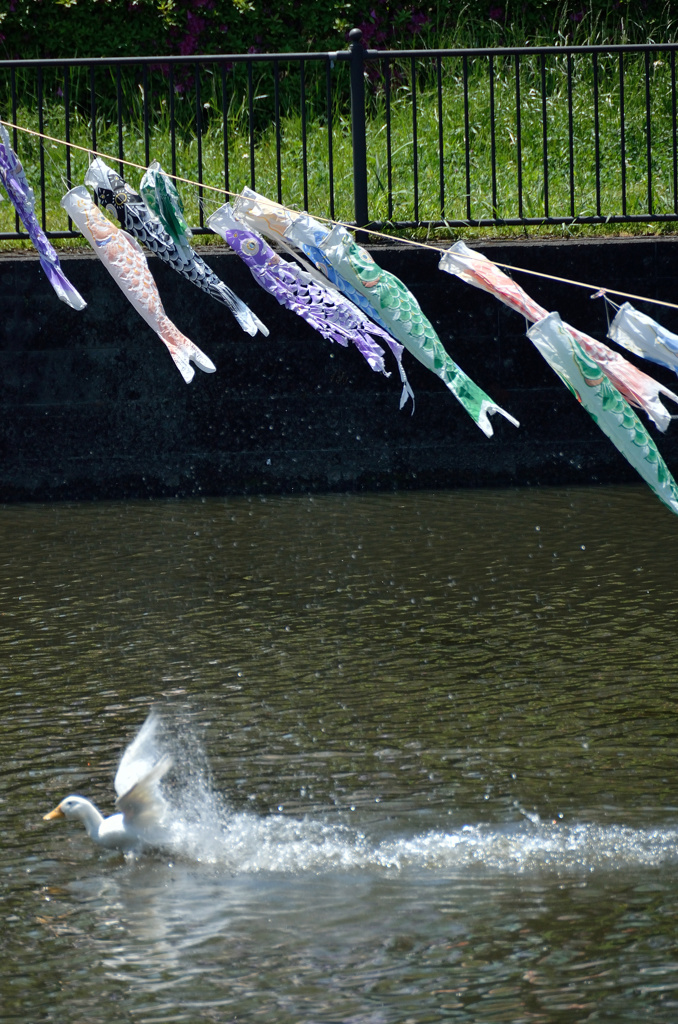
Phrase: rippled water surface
{"type": "Point", "coordinates": [426, 745]}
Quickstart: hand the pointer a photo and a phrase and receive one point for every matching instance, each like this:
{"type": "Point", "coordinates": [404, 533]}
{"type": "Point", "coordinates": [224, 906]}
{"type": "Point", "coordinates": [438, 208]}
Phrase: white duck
{"type": "Point", "coordinates": [141, 806]}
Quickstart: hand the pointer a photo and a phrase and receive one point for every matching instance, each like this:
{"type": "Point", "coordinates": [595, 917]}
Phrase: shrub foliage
{"type": "Point", "coordinates": [91, 28]}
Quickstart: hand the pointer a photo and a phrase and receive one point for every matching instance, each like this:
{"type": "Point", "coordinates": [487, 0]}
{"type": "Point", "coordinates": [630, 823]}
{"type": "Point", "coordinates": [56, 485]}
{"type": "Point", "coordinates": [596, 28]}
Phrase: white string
{"type": "Point", "coordinates": [352, 227]}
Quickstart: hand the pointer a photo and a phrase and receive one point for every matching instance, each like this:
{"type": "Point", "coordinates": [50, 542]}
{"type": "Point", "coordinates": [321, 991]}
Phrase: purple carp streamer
{"type": "Point", "coordinates": [325, 310]}
{"type": "Point", "coordinates": [22, 198]}
{"type": "Point", "coordinates": [291, 230]}
{"type": "Point", "coordinates": [381, 296]}
{"type": "Point", "coordinates": [124, 259]}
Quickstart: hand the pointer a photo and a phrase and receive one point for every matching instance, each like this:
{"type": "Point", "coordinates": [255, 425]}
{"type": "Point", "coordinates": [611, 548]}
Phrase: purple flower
{"type": "Point", "coordinates": [187, 45]}
{"type": "Point", "coordinates": [496, 14]}
{"type": "Point", "coordinates": [417, 22]}
{"type": "Point", "coordinates": [196, 24]}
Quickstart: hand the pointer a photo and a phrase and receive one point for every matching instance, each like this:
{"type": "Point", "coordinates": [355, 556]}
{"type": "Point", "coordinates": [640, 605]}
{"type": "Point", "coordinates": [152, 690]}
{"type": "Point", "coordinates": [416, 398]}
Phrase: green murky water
{"type": "Point", "coordinates": [443, 727]}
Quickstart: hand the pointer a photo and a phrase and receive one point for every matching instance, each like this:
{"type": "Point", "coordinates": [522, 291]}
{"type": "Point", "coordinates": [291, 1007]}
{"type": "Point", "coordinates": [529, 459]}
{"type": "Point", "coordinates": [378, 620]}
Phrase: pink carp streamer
{"type": "Point", "coordinates": [637, 387]}
{"type": "Point", "coordinates": [124, 259]}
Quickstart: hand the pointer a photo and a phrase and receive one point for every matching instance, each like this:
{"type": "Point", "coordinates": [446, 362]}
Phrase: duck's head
{"type": "Point", "coordinates": [71, 807]}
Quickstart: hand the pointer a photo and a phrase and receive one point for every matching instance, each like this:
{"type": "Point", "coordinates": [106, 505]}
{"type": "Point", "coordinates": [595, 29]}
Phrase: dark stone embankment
{"type": "Point", "coordinates": [93, 407]}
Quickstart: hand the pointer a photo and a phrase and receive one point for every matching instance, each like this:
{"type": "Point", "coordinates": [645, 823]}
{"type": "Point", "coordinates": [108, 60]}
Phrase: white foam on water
{"type": "Point", "coordinates": [203, 828]}
{"type": "Point", "coordinates": [536, 847]}
{"type": "Point", "coordinates": [246, 843]}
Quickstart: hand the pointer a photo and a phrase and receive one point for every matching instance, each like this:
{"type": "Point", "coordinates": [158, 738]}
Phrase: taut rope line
{"type": "Point", "coordinates": [378, 234]}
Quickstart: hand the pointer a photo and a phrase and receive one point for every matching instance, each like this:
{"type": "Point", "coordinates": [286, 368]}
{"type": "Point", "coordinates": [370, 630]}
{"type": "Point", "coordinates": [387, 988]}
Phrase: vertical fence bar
{"type": "Point", "coordinates": [648, 131]}
{"type": "Point", "coordinates": [304, 141]}
{"type": "Point", "coordinates": [224, 124]}
{"type": "Point", "coordinates": [415, 145]}
{"type": "Point", "coordinates": [67, 131]}
{"type": "Point", "coordinates": [198, 136]}
{"type": "Point", "coordinates": [250, 115]}
{"type": "Point", "coordinates": [441, 144]}
{"type": "Point", "coordinates": [622, 133]}
{"type": "Point", "coordinates": [570, 131]}
{"type": "Point", "coordinates": [545, 152]}
{"type": "Point", "coordinates": [519, 140]}
{"type": "Point", "coordinates": [389, 146]}
{"type": "Point", "coordinates": [358, 136]}
{"type": "Point", "coordinates": [493, 142]}
{"type": "Point", "coordinates": [41, 149]}
{"type": "Point", "coordinates": [330, 132]}
{"type": "Point", "coordinates": [147, 139]}
{"type": "Point", "coordinates": [93, 107]}
{"type": "Point", "coordinates": [173, 120]}
{"type": "Point", "coordinates": [118, 89]}
{"type": "Point", "coordinates": [674, 131]}
{"type": "Point", "coordinates": [12, 89]}
{"type": "Point", "coordinates": [278, 138]}
{"type": "Point", "coordinates": [18, 226]}
{"type": "Point", "coordinates": [467, 137]}
{"type": "Point", "coordinates": [596, 131]}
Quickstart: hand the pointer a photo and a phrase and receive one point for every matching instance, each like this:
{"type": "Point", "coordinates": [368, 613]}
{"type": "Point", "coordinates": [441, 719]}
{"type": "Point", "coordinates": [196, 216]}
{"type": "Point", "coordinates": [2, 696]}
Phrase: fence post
{"type": "Point", "coordinates": [358, 138]}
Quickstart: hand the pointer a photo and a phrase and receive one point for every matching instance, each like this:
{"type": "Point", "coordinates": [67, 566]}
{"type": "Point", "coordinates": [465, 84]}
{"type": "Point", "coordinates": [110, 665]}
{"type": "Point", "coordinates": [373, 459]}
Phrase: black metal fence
{"type": "Point", "coordinates": [415, 138]}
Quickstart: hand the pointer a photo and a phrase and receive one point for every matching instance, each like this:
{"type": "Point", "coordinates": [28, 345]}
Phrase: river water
{"type": "Point", "coordinates": [425, 745]}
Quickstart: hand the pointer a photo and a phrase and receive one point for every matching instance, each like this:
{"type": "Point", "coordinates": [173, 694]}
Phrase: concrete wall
{"type": "Point", "coordinates": [93, 407]}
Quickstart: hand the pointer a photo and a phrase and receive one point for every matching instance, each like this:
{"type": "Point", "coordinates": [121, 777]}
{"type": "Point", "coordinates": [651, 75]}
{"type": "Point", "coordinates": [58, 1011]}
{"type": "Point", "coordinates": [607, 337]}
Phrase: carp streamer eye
{"type": "Point", "coordinates": [251, 246]}
{"type": "Point", "coordinates": [120, 198]}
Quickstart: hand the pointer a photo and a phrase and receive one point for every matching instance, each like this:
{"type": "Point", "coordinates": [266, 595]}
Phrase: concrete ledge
{"type": "Point", "coordinates": [91, 405]}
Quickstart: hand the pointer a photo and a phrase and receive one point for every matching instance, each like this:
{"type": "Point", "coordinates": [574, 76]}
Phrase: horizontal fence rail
{"type": "Point", "coordinates": [407, 138]}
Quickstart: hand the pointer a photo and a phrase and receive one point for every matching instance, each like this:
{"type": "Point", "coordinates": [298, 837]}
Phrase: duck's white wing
{"type": "Point", "coordinates": [136, 781]}
{"type": "Point", "coordinates": [141, 755]}
{"type": "Point", "coordinates": [143, 805]}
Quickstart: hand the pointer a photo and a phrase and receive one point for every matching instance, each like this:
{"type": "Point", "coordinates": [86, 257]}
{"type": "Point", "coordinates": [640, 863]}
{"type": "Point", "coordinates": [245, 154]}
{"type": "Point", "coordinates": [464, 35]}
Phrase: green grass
{"type": "Point", "coordinates": [499, 197]}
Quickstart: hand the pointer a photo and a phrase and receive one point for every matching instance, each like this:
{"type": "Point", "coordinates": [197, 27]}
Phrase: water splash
{"type": "Point", "coordinates": [535, 847]}
{"type": "Point", "coordinates": [246, 843]}
{"type": "Point", "coordinates": [203, 828]}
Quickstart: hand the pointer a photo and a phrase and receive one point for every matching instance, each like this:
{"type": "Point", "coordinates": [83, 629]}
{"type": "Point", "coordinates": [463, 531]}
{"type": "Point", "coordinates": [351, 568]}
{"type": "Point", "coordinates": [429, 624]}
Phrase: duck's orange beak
{"type": "Point", "coordinates": [56, 813]}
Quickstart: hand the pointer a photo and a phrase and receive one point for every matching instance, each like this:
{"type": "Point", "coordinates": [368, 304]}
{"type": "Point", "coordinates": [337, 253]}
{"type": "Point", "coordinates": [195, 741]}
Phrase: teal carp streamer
{"type": "Point", "coordinates": [399, 309]}
{"type": "Point", "coordinates": [159, 193]}
{"type": "Point", "coordinates": [604, 404]}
